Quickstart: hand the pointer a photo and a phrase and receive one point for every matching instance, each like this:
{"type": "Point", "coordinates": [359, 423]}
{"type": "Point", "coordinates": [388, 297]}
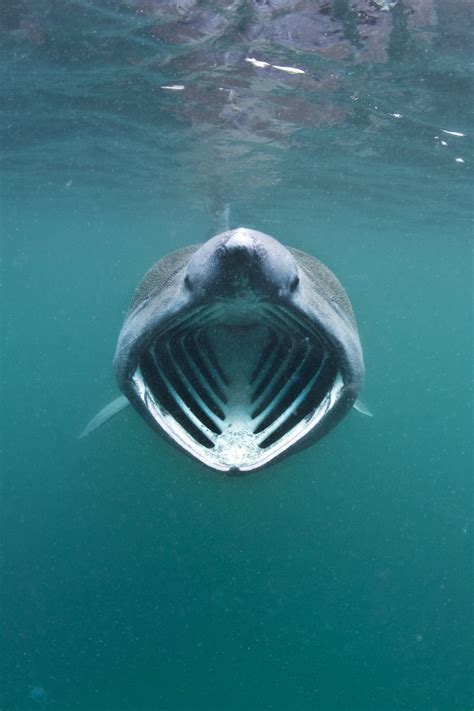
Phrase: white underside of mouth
{"type": "Point", "coordinates": [235, 385]}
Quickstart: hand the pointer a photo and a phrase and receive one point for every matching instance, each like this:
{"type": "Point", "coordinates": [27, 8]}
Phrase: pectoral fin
{"type": "Point", "coordinates": [105, 414]}
{"type": "Point", "coordinates": [362, 408]}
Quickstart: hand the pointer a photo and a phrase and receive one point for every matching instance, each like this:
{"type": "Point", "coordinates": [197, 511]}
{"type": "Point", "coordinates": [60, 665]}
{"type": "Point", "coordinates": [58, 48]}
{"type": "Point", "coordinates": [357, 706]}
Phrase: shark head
{"type": "Point", "coordinates": [240, 350]}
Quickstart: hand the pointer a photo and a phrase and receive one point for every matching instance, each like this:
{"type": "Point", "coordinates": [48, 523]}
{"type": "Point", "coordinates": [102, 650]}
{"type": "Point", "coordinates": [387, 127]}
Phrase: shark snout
{"type": "Point", "coordinates": [241, 242]}
{"type": "Point", "coordinates": [239, 262]}
{"type": "Point", "coordinates": [242, 261]}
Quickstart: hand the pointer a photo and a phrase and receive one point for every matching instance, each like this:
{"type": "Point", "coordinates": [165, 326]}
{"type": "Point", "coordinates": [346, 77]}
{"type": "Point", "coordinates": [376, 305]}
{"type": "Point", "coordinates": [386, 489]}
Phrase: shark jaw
{"type": "Point", "coordinates": [236, 383]}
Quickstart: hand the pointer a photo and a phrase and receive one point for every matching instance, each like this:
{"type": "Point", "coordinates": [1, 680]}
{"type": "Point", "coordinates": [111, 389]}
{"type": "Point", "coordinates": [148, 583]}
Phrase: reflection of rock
{"type": "Point", "coordinates": [304, 113]}
{"type": "Point", "coordinates": [309, 30]}
{"type": "Point", "coordinates": [199, 24]}
{"type": "Point", "coordinates": [205, 47]}
{"type": "Point", "coordinates": [21, 23]}
{"type": "Point", "coordinates": [349, 50]}
{"type": "Point", "coordinates": [163, 9]}
{"type": "Point", "coordinates": [366, 28]}
{"type": "Point", "coordinates": [384, 33]}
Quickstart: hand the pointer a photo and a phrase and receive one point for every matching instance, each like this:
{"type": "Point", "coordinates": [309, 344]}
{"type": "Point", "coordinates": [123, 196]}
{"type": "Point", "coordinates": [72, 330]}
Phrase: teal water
{"type": "Point", "coordinates": [340, 579]}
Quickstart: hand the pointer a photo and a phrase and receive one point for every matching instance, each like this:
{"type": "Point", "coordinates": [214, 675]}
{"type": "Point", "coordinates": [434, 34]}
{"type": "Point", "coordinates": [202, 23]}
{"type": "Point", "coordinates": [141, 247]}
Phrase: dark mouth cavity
{"type": "Point", "coordinates": [260, 372]}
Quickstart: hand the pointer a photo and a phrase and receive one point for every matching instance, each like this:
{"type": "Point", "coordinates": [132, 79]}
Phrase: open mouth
{"type": "Point", "coordinates": [235, 384]}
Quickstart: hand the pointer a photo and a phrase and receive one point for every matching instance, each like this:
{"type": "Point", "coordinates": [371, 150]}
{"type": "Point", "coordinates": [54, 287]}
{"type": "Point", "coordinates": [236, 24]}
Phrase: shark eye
{"type": "Point", "coordinates": [294, 282]}
{"type": "Point", "coordinates": [188, 283]}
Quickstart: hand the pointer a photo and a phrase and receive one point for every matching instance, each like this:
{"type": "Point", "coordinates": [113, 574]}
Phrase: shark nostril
{"type": "Point", "coordinates": [294, 282]}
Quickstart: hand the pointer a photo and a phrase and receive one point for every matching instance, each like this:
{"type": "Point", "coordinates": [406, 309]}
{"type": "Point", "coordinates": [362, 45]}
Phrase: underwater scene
{"type": "Point", "coordinates": [282, 519]}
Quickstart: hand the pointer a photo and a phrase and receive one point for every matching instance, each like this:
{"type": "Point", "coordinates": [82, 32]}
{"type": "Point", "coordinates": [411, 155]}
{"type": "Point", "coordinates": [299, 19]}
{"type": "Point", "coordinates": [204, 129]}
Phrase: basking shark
{"type": "Point", "coordinates": [240, 351]}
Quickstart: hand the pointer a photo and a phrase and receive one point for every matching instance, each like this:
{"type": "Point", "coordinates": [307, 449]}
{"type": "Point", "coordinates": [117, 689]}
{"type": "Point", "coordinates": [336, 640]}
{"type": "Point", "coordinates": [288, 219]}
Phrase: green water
{"type": "Point", "coordinates": [133, 579]}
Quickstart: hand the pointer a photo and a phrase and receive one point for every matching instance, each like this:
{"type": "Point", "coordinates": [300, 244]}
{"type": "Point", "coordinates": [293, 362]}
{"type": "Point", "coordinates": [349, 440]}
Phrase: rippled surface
{"type": "Point", "coordinates": [234, 94]}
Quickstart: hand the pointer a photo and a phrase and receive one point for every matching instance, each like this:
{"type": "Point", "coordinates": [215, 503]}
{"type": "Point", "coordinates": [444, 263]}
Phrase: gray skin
{"type": "Point", "coordinates": [241, 273]}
